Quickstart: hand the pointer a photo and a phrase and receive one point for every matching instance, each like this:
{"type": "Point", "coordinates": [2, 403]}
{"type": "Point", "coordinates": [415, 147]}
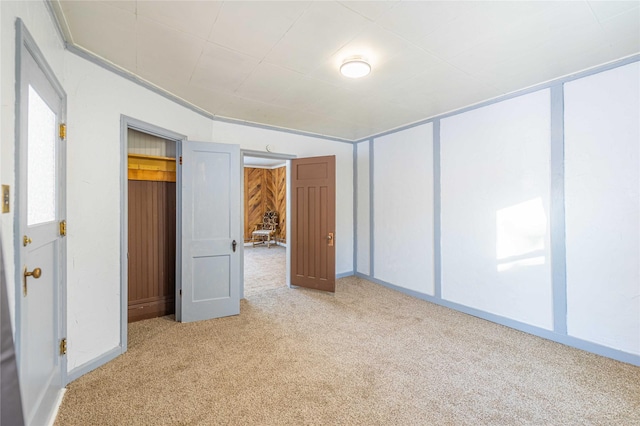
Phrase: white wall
{"type": "Point", "coordinates": [363, 219]}
{"type": "Point", "coordinates": [38, 21]}
{"type": "Point", "coordinates": [146, 144]}
{"type": "Point", "coordinates": [495, 168]}
{"type": "Point", "coordinates": [495, 181]}
{"type": "Point", "coordinates": [403, 209]}
{"type": "Point", "coordinates": [96, 100]}
{"type": "Point", "coordinates": [602, 192]}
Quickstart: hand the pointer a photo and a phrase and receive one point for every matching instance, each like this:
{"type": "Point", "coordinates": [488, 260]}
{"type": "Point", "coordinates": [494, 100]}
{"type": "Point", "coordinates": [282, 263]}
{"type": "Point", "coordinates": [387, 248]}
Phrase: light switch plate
{"type": "Point", "coordinates": [5, 198]}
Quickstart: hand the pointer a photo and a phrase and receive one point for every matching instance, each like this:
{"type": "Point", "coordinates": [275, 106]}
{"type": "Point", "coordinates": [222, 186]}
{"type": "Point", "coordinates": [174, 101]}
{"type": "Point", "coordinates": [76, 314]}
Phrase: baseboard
{"type": "Point", "coordinates": [54, 414]}
{"type": "Point", "coordinates": [164, 305]}
{"type": "Point", "coordinates": [93, 364]}
{"type": "Point", "coordinates": [344, 274]}
{"type": "Point", "coordinates": [564, 339]}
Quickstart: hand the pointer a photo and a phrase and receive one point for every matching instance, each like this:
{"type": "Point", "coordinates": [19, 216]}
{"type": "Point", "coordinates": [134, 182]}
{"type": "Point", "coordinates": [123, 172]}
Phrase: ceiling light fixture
{"type": "Point", "coordinates": [355, 67]}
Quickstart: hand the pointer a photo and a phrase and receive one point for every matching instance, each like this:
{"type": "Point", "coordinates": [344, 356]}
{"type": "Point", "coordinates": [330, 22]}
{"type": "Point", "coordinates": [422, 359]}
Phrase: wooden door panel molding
{"type": "Point", "coordinates": [313, 205]}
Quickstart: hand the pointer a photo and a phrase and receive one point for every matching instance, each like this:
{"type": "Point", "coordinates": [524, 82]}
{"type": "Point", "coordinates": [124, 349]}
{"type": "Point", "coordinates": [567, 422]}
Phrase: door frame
{"type": "Point", "coordinates": [26, 45]}
{"type": "Point", "coordinates": [276, 156]}
{"type": "Point", "coordinates": [127, 123]}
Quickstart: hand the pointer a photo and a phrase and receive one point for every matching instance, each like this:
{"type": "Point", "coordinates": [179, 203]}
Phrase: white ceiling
{"type": "Point", "coordinates": [276, 63]}
{"type": "Point", "coordinates": [267, 163]}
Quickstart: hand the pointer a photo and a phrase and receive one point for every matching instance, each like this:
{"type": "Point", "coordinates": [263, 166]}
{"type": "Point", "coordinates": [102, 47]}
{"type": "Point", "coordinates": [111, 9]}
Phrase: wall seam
{"type": "Point", "coordinates": [371, 215]}
{"type": "Point", "coordinates": [437, 208]}
{"type": "Point", "coordinates": [557, 212]}
{"type": "Point", "coordinates": [355, 207]}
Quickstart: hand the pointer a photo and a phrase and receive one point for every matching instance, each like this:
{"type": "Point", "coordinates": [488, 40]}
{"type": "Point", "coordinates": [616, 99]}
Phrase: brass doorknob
{"type": "Point", "coordinates": [330, 239]}
{"type": "Point", "coordinates": [36, 273]}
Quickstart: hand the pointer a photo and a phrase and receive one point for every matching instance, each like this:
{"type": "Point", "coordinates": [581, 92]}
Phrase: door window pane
{"type": "Point", "coordinates": [41, 161]}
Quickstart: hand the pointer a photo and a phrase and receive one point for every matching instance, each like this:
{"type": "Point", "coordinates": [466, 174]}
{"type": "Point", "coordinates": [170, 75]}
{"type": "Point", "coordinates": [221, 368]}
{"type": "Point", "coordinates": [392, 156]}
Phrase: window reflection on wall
{"type": "Point", "coordinates": [520, 235]}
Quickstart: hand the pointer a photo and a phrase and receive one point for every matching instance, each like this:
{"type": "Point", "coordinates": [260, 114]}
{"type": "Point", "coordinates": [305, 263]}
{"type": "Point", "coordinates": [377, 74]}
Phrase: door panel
{"type": "Point", "coordinates": [313, 223]}
{"type": "Point", "coordinates": [211, 266]}
{"type": "Point", "coordinates": [42, 370]}
{"type": "Point", "coordinates": [40, 208]}
{"type": "Point", "coordinates": [210, 226]}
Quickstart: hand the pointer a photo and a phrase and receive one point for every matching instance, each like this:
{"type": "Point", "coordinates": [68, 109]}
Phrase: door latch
{"type": "Point", "coordinates": [330, 239]}
{"type": "Point", "coordinates": [234, 244]}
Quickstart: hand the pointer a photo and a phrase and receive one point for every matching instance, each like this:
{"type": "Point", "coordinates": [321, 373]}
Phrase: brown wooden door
{"type": "Point", "coordinates": [313, 222]}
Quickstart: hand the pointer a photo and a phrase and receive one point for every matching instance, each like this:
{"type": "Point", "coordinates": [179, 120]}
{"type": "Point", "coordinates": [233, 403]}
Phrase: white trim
{"type": "Point", "coordinates": [54, 414]}
{"type": "Point", "coordinates": [517, 325]}
{"type": "Point", "coordinates": [99, 361]}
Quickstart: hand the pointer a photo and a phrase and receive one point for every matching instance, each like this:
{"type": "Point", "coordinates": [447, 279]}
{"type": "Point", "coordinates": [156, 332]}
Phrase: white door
{"type": "Point", "coordinates": [210, 231]}
{"type": "Point", "coordinates": [40, 206]}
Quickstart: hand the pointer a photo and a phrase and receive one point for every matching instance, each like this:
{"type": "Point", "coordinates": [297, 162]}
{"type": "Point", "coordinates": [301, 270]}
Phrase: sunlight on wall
{"type": "Point", "coordinates": [520, 232]}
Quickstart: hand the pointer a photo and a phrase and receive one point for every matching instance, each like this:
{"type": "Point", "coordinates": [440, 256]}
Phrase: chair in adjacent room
{"type": "Point", "coordinates": [266, 231]}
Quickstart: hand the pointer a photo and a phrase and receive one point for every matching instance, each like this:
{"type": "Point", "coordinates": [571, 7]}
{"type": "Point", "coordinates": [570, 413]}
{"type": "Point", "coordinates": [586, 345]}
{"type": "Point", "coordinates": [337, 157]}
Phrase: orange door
{"type": "Point", "coordinates": [313, 222]}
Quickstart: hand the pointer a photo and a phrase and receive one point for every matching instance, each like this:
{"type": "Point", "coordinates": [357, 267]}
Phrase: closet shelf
{"type": "Point", "coordinates": [151, 167]}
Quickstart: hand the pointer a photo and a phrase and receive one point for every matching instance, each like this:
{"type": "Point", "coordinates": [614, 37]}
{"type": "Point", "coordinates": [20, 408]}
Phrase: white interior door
{"type": "Point", "coordinates": [40, 207]}
{"type": "Point", "coordinates": [210, 231]}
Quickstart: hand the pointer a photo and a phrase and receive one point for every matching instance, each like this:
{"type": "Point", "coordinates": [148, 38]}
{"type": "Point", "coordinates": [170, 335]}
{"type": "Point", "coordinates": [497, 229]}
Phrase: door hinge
{"type": "Point", "coordinates": [63, 131]}
{"type": "Point", "coordinates": [63, 346]}
{"type": "Point", "coordinates": [63, 228]}
{"type": "Point", "coordinates": [181, 159]}
{"type": "Point", "coordinates": [180, 292]}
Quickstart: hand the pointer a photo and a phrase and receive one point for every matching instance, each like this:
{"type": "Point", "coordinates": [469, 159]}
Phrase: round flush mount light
{"type": "Point", "coordinates": [355, 67]}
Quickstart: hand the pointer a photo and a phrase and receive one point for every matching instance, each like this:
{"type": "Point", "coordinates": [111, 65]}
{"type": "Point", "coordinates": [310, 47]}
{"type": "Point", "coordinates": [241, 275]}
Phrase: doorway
{"type": "Point", "coordinates": [173, 151]}
{"type": "Point", "coordinates": [265, 192]}
{"type": "Point", "coordinates": [152, 226]}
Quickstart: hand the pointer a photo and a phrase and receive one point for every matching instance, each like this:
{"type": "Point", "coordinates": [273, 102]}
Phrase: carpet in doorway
{"type": "Point", "coordinates": [264, 269]}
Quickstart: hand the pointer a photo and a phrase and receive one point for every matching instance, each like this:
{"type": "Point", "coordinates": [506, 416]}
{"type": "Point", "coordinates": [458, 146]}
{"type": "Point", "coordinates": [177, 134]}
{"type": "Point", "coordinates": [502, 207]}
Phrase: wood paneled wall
{"type": "Point", "coordinates": [264, 190]}
{"type": "Point", "coordinates": [152, 249]}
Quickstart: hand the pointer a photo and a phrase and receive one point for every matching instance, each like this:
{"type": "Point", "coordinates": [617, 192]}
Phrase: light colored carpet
{"type": "Point", "coordinates": [366, 355]}
{"type": "Point", "coordinates": [264, 269]}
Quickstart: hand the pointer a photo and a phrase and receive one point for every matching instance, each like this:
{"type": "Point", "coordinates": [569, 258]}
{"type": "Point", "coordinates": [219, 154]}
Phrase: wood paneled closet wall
{"type": "Point", "coordinates": [152, 226]}
{"type": "Point", "coordinates": [264, 190]}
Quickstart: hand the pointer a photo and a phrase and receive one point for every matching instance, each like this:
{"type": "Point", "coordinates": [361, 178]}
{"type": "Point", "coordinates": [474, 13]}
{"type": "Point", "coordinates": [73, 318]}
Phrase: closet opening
{"type": "Point", "coordinates": [151, 226]}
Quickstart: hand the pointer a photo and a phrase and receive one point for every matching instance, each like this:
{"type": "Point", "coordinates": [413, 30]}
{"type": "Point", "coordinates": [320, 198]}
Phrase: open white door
{"type": "Point", "coordinates": [40, 230]}
{"type": "Point", "coordinates": [210, 231]}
